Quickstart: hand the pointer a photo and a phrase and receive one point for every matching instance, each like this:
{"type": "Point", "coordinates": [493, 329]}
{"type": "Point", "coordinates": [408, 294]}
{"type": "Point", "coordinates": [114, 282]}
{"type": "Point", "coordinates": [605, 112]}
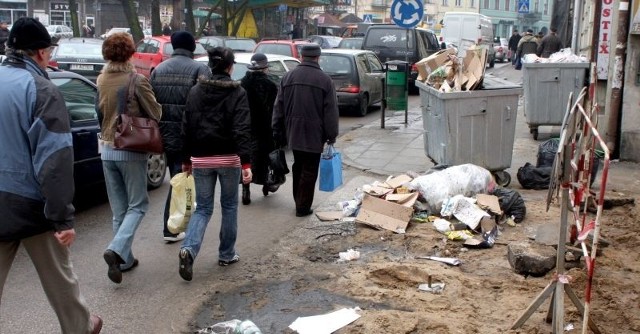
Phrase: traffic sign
{"type": "Point", "coordinates": [407, 13]}
{"type": "Point", "coordinates": [523, 6]}
{"type": "Point", "coordinates": [367, 18]}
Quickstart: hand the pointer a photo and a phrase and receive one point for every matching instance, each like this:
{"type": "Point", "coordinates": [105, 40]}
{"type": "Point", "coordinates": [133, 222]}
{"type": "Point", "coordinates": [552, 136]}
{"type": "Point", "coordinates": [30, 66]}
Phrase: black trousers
{"type": "Point", "coordinates": [174, 162]}
{"type": "Point", "coordinates": [305, 173]}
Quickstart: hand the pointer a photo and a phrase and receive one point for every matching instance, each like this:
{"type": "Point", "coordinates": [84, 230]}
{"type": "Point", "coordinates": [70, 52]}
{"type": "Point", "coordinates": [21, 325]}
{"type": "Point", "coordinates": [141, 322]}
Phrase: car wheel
{"type": "Point", "coordinates": [364, 106]}
{"type": "Point", "coordinates": [156, 170]}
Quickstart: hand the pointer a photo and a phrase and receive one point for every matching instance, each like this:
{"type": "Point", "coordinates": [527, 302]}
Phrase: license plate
{"type": "Point", "coordinates": [78, 67]}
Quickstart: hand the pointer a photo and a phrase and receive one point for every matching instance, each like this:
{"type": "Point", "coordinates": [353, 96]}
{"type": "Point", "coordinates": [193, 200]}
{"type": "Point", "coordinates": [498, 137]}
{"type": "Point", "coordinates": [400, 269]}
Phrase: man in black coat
{"type": "Point", "coordinates": [513, 45]}
{"type": "Point", "coordinates": [171, 82]}
{"type": "Point", "coordinates": [4, 35]}
{"type": "Point", "coordinates": [305, 116]}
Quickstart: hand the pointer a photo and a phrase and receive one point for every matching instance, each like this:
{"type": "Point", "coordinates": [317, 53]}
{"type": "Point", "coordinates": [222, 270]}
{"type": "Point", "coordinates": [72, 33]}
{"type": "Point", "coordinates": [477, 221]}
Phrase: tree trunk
{"type": "Point", "coordinates": [188, 17]}
{"type": "Point", "coordinates": [130, 13]}
{"type": "Point", "coordinates": [73, 9]}
{"type": "Point", "coordinates": [156, 25]}
{"type": "Point", "coordinates": [178, 17]}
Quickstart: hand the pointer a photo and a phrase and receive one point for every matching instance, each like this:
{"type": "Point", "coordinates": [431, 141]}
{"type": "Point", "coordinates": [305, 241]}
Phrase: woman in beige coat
{"type": "Point", "coordinates": [125, 172]}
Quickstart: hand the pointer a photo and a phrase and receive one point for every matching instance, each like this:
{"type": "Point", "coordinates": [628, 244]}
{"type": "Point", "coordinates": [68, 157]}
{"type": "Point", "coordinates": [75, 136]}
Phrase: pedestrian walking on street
{"type": "Point", "coordinates": [4, 35]}
{"type": "Point", "coordinates": [166, 30]}
{"type": "Point", "coordinates": [171, 82]}
{"type": "Point", "coordinates": [217, 148]}
{"type": "Point", "coordinates": [550, 44]}
{"type": "Point", "coordinates": [513, 45]}
{"type": "Point", "coordinates": [261, 92]}
{"type": "Point", "coordinates": [305, 116]}
{"type": "Point", "coordinates": [36, 175]}
{"type": "Point", "coordinates": [125, 172]}
{"type": "Point", "coordinates": [528, 44]}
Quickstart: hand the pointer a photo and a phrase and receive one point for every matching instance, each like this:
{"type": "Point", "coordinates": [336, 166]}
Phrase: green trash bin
{"type": "Point", "coordinates": [397, 88]}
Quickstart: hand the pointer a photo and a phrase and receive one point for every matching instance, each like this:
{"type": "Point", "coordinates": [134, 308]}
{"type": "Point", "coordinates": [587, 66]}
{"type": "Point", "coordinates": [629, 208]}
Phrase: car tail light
{"type": "Point", "coordinates": [53, 63]}
{"type": "Point", "coordinates": [414, 68]}
{"type": "Point", "coordinates": [349, 89]}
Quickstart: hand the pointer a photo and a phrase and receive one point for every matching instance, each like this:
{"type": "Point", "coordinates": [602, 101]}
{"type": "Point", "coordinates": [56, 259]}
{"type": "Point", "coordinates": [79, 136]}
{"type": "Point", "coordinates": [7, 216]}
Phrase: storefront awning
{"type": "Point", "coordinates": [276, 3]}
{"type": "Point", "coordinates": [203, 13]}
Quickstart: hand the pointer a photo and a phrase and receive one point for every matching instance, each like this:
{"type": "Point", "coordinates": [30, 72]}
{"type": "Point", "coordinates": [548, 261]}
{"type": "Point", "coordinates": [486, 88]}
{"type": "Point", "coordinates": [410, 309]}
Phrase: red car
{"type": "Point", "coordinates": [283, 47]}
{"type": "Point", "coordinates": [151, 51]}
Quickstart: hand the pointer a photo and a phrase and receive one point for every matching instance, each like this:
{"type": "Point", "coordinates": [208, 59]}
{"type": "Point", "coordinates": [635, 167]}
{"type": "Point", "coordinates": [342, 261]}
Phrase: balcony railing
{"type": "Point", "coordinates": [379, 3]}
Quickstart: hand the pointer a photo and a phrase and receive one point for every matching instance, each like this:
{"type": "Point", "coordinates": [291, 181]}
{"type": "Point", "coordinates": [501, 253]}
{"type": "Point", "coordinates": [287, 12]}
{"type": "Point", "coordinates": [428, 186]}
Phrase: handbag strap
{"type": "Point", "coordinates": [130, 93]}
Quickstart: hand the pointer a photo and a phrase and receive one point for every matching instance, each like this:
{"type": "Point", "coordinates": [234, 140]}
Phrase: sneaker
{"type": "Point", "coordinates": [174, 238]}
{"type": "Point", "coordinates": [224, 263]}
{"type": "Point", "coordinates": [186, 265]}
{"type": "Point", "coordinates": [96, 324]}
{"type": "Point", "coordinates": [113, 261]}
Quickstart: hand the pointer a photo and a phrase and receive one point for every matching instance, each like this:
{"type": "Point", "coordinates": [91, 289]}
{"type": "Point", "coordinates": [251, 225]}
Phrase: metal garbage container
{"type": "Point", "coordinates": [546, 91]}
{"type": "Point", "coordinates": [476, 126]}
{"type": "Point", "coordinates": [397, 88]}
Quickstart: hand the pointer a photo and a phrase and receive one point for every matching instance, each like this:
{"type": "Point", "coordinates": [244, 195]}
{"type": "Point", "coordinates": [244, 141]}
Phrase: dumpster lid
{"type": "Point", "coordinates": [493, 82]}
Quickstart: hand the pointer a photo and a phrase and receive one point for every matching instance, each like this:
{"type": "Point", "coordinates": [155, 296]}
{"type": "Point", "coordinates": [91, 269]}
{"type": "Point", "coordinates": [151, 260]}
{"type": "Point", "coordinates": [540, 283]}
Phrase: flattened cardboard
{"type": "Point", "coordinates": [399, 180]}
{"type": "Point", "coordinates": [490, 202]}
{"type": "Point", "coordinates": [399, 198]}
{"type": "Point", "coordinates": [378, 191]}
{"type": "Point", "coordinates": [382, 214]}
{"type": "Point", "coordinates": [427, 65]}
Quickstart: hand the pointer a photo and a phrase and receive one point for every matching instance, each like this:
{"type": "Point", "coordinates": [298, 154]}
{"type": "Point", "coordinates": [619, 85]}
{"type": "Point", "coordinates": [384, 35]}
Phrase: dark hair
{"type": "Point", "coordinates": [118, 47]}
{"type": "Point", "coordinates": [220, 58]}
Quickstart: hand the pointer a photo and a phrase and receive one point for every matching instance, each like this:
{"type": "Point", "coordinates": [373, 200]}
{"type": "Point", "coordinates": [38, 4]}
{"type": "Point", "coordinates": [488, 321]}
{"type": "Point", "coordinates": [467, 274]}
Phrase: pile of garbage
{"type": "Point", "coordinates": [462, 202]}
{"type": "Point", "coordinates": [562, 56]}
{"type": "Point", "coordinates": [446, 71]}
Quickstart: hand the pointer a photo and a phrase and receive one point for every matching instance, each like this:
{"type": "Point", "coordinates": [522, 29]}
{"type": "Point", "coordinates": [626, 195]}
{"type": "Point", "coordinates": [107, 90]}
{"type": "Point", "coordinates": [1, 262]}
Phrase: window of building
{"type": "Point", "coordinates": [445, 2]}
{"type": "Point", "coordinates": [458, 3]}
{"type": "Point", "coordinates": [472, 3]}
{"type": "Point", "coordinates": [12, 11]}
{"type": "Point", "coordinates": [507, 5]}
{"type": "Point", "coordinates": [486, 4]}
{"type": "Point", "coordinates": [546, 7]}
{"type": "Point", "coordinates": [536, 3]}
{"type": "Point", "coordinates": [496, 4]}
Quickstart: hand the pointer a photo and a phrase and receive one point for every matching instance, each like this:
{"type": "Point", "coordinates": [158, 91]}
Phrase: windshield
{"type": "Point", "coordinates": [334, 64]}
{"type": "Point", "coordinates": [241, 44]}
{"type": "Point", "coordinates": [51, 29]}
{"type": "Point", "coordinates": [334, 41]}
{"type": "Point", "coordinates": [389, 38]}
{"type": "Point", "coordinates": [79, 49]}
{"type": "Point", "coordinates": [199, 51]}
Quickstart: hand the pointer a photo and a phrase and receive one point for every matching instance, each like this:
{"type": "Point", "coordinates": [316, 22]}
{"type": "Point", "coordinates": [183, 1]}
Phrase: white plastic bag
{"type": "Point", "coordinates": [183, 197]}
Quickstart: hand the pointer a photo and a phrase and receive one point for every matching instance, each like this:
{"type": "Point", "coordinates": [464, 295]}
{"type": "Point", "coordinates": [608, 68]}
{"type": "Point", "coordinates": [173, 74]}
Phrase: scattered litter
{"type": "Point", "coordinates": [511, 221]}
{"type": "Point", "coordinates": [431, 287]}
{"type": "Point", "coordinates": [349, 255]}
{"type": "Point", "coordinates": [489, 202]}
{"type": "Point", "coordinates": [329, 215]}
{"type": "Point", "coordinates": [379, 213]}
{"type": "Point", "coordinates": [234, 326]}
{"type": "Point", "coordinates": [443, 226]}
{"type": "Point", "coordinates": [569, 327]}
{"type": "Point", "coordinates": [448, 260]}
{"type": "Point", "coordinates": [459, 235]}
{"type": "Point", "coordinates": [326, 323]}
{"type": "Point", "coordinates": [463, 208]}
{"type": "Point", "coordinates": [488, 238]}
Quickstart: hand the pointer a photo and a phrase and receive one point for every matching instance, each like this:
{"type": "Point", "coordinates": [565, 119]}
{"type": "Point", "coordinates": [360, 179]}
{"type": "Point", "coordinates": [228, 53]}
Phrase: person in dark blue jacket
{"type": "Point", "coordinates": [36, 175]}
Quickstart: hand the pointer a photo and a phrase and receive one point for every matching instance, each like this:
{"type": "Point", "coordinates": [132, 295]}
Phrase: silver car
{"type": "Point", "coordinates": [58, 32]}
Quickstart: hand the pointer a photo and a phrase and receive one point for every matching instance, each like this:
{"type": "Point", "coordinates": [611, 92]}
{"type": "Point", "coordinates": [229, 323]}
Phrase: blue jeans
{"type": "Point", "coordinates": [127, 190]}
{"type": "Point", "coordinates": [205, 179]}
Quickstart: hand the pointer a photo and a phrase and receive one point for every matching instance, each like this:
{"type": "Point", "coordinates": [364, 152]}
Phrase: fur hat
{"type": "Point", "coordinates": [311, 50]}
{"type": "Point", "coordinates": [29, 34]}
{"type": "Point", "coordinates": [183, 40]}
{"type": "Point", "coordinates": [258, 62]}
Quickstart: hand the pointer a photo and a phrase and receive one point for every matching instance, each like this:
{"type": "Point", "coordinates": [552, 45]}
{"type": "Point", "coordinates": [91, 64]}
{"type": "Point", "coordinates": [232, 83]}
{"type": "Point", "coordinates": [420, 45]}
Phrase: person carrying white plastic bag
{"type": "Point", "coordinates": [183, 196]}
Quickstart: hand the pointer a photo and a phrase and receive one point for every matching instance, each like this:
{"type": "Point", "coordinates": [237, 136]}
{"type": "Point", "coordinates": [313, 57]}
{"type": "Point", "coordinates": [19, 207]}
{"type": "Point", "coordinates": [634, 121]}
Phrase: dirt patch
{"type": "Point", "coordinates": [482, 295]}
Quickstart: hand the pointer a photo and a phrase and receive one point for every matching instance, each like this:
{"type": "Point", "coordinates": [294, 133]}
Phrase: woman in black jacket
{"type": "Point", "coordinates": [217, 148]}
{"type": "Point", "coordinates": [261, 91]}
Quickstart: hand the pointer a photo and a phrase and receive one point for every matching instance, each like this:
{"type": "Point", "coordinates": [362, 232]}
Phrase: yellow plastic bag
{"type": "Point", "coordinates": [183, 197]}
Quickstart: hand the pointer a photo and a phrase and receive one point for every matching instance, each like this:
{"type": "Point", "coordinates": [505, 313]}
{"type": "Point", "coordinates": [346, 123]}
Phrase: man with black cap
{"type": "Point", "coordinates": [513, 45]}
{"type": "Point", "coordinates": [171, 82]}
{"type": "Point", "coordinates": [4, 35]}
{"type": "Point", "coordinates": [36, 174]}
{"type": "Point", "coordinates": [305, 116]}
{"type": "Point", "coordinates": [550, 44]}
{"type": "Point", "coordinates": [261, 92]}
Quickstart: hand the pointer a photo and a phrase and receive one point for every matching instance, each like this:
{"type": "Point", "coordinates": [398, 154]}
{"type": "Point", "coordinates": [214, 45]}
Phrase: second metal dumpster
{"type": "Point", "coordinates": [546, 91]}
{"type": "Point", "coordinates": [475, 126]}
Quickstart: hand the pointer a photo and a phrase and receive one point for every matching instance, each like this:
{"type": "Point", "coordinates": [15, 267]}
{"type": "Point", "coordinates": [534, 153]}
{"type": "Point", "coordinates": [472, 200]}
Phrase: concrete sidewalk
{"type": "Point", "coordinates": [399, 148]}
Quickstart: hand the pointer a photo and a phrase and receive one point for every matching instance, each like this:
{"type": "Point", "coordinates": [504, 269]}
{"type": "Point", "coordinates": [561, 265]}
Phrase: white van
{"type": "Point", "coordinates": [462, 30]}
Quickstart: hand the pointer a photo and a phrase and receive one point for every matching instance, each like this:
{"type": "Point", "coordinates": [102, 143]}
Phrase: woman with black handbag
{"type": "Point", "coordinates": [121, 91]}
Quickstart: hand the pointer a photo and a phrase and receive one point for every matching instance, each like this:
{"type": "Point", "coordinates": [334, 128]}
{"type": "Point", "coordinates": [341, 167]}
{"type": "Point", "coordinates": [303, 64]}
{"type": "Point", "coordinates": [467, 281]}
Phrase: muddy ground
{"type": "Point", "coordinates": [302, 277]}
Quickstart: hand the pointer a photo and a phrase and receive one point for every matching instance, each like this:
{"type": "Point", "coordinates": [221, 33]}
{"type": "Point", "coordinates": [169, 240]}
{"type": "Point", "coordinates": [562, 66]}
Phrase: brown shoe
{"type": "Point", "coordinates": [96, 323]}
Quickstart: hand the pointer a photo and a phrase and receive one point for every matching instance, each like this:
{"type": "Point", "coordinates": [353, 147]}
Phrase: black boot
{"type": "Point", "coordinates": [265, 190]}
{"type": "Point", "coordinates": [246, 194]}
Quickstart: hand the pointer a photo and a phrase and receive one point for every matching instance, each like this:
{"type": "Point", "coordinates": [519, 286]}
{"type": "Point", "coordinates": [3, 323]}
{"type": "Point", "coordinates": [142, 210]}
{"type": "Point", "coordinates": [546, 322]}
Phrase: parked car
{"type": "Point", "coordinates": [79, 95]}
{"type": "Point", "coordinates": [278, 65]}
{"type": "Point", "coordinates": [59, 31]}
{"type": "Point", "coordinates": [389, 42]}
{"type": "Point", "coordinates": [325, 41]}
{"type": "Point", "coordinates": [357, 76]}
{"type": "Point", "coordinates": [153, 50]}
{"type": "Point", "coordinates": [283, 47]}
{"type": "Point", "coordinates": [79, 55]}
{"type": "Point", "coordinates": [351, 43]}
{"type": "Point", "coordinates": [501, 48]}
{"type": "Point", "coordinates": [234, 43]}
{"type": "Point", "coordinates": [115, 30]}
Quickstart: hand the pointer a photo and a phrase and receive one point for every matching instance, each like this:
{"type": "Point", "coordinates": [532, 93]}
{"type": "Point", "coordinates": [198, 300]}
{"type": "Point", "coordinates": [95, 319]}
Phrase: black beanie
{"type": "Point", "coordinates": [183, 40]}
{"type": "Point", "coordinates": [29, 34]}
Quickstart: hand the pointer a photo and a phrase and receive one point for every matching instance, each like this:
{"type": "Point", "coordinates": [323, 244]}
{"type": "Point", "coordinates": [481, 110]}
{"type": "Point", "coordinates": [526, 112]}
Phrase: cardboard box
{"type": "Point", "coordinates": [381, 214]}
{"type": "Point", "coordinates": [427, 65]}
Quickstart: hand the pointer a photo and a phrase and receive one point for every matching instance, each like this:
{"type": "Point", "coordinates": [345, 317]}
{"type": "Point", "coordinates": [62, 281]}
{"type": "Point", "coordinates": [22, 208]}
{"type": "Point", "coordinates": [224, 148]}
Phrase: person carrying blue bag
{"type": "Point", "coordinates": [305, 116]}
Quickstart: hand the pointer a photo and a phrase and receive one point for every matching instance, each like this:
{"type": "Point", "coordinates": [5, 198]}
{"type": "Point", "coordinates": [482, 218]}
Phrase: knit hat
{"type": "Point", "coordinates": [530, 31]}
{"type": "Point", "coordinates": [258, 62]}
{"type": "Point", "coordinates": [183, 40]}
{"type": "Point", "coordinates": [29, 34]}
{"type": "Point", "coordinates": [311, 50]}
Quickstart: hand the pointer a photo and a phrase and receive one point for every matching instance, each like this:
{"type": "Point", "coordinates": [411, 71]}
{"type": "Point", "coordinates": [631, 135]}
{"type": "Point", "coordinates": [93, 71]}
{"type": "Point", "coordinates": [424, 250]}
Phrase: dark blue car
{"type": "Point", "coordinates": [79, 96]}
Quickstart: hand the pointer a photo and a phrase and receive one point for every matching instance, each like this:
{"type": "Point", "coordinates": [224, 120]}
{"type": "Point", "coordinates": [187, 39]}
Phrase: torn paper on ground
{"type": "Point", "coordinates": [326, 323]}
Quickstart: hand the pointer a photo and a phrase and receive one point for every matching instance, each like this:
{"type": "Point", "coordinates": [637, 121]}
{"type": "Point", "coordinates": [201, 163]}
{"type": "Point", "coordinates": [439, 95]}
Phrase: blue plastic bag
{"type": "Point", "coordinates": [330, 169]}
